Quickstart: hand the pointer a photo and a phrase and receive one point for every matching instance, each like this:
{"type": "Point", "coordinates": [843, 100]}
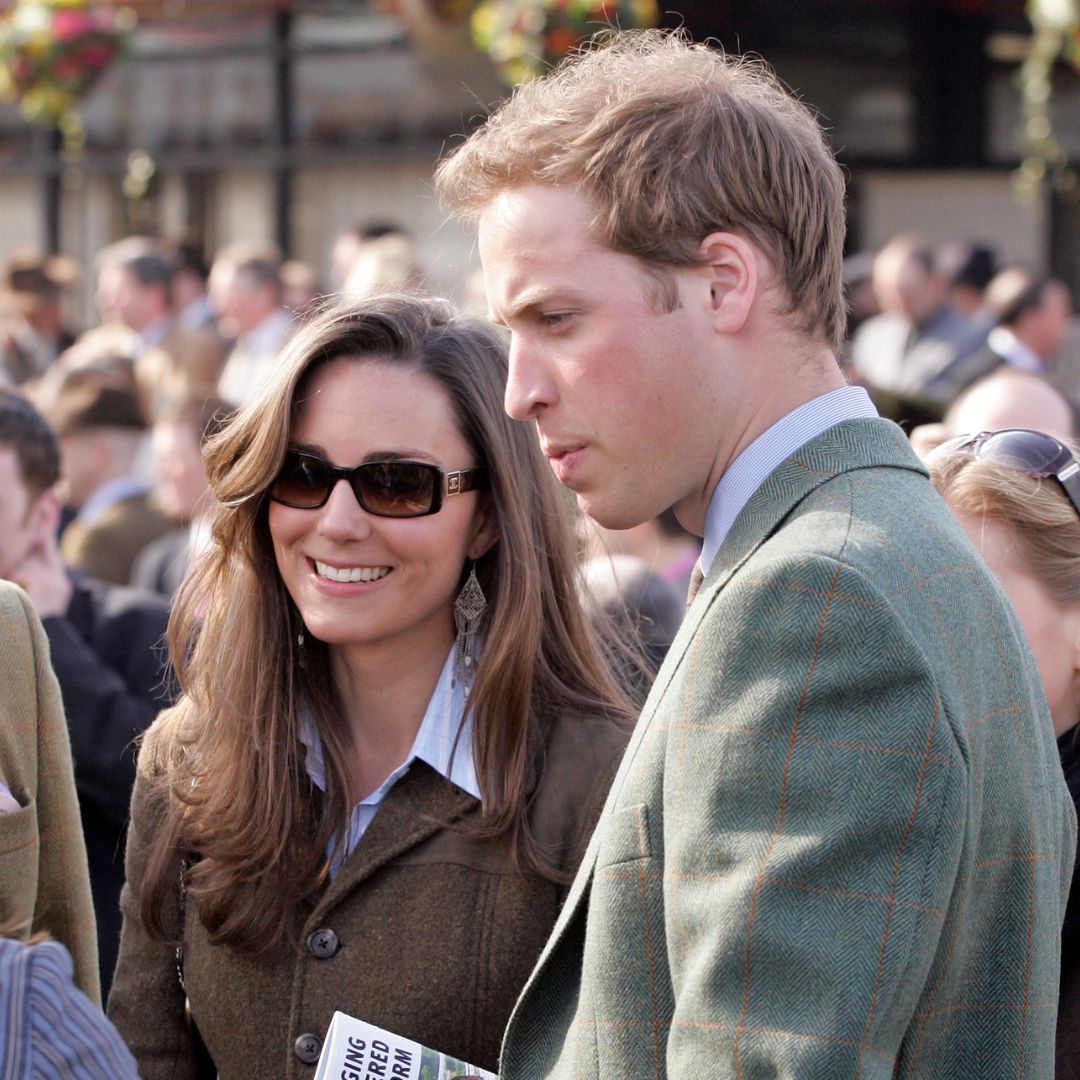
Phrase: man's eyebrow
{"type": "Point", "coordinates": [527, 301]}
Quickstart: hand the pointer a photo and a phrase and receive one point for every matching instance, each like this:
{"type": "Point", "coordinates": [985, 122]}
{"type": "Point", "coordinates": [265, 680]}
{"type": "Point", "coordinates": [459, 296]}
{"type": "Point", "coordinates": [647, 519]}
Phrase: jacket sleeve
{"type": "Point", "coordinates": [813, 822]}
{"type": "Point", "coordinates": [146, 1002]}
{"type": "Point", "coordinates": [112, 687]}
{"type": "Point", "coordinates": [61, 904]}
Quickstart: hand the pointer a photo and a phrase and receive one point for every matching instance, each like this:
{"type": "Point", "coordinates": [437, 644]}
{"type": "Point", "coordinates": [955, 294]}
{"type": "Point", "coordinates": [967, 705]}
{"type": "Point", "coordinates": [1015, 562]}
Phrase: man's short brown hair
{"type": "Point", "coordinates": [1015, 291]}
{"type": "Point", "coordinates": [37, 451]}
{"type": "Point", "coordinates": [256, 264]}
{"type": "Point", "coordinates": [671, 141]}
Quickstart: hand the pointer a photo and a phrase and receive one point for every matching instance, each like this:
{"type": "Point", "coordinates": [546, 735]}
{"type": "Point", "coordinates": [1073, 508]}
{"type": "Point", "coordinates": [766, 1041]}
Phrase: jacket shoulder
{"type": "Point", "coordinates": [580, 761]}
{"type": "Point", "coordinates": [14, 605]}
{"type": "Point", "coordinates": [168, 741]}
{"type": "Point", "coordinates": [579, 745]}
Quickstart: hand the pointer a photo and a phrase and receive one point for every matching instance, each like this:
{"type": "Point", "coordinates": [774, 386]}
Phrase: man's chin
{"type": "Point", "coordinates": [609, 516]}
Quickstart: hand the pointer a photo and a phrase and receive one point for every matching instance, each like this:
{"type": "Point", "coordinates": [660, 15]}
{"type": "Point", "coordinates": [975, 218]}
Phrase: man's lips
{"type": "Point", "coordinates": [565, 459]}
{"type": "Point", "coordinates": [554, 451]}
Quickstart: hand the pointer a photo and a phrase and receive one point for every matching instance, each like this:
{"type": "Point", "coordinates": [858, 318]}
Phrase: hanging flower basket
{"type": "Point", "coordinates": [435, 25]}
{"type": "Point", "coordinates": [53, 51]}
{"type": "Point", "coordinates": [526, 37]}
{"type": "Point", "coordinates": [1055, 25]}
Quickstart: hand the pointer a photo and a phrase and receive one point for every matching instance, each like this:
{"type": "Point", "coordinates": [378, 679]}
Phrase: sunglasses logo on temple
{"type": "Point", "coordinates": [395, 488]}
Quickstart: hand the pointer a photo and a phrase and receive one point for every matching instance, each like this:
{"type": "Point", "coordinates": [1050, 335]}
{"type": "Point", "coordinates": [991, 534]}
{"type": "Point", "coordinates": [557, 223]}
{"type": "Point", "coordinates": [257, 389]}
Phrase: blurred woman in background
{"type": "Point", "coordinates": [1016, 494]}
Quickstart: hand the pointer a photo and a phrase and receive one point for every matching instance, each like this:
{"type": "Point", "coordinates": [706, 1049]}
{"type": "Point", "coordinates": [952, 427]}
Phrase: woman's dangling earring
{"type": "Point", "coordinates": [469, 610]}
{"type": "Point", "coordinates": [303, 651]}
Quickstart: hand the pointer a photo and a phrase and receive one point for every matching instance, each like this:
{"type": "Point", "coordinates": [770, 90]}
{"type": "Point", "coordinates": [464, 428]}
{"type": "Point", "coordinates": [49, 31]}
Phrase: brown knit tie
{"type": "Point", "coordinates": [696, 578]}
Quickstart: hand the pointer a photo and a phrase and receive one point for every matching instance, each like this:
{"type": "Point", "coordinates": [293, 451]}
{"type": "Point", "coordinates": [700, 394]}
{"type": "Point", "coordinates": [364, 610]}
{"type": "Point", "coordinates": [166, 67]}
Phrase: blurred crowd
{"type": "Point", "coordinates": [929, 323]}
{"type": "Point", "coordinates": [180, 343]}
{"type": "Point", "coordinates": [947, 338]}
{"type": "Point", "coordinates": [106, 503]}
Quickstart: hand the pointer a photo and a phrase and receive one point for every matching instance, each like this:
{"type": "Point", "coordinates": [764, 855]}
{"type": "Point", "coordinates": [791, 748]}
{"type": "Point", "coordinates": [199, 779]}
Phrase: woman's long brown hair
{"type": "Point", "coordinates": [235, 797]}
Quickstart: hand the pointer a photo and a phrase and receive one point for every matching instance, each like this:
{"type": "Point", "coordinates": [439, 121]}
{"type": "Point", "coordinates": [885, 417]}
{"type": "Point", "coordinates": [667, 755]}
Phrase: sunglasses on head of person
{"type": "Point", "coordinates": [396, 489]}
{"type": "Point", "coordinates": [1031, 452]}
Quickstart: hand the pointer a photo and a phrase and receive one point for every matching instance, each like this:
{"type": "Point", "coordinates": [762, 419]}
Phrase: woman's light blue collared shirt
{"type": "Point", "coordinates": [434, 745]}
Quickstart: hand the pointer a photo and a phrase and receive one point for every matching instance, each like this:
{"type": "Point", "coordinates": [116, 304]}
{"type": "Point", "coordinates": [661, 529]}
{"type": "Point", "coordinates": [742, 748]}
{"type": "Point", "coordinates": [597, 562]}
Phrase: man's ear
{"type": "Point", "coordinates": [731, 266]}
{"type": "Point", "coordinates": [44, 517]}
{"type": "Point", "coordinates": [485, 532]}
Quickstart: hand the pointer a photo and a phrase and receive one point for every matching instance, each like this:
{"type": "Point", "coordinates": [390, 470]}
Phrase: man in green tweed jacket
{"type": "Point", "coordinates": [839, 843]}
{"type": "Point", "coordinates": [44, 881]}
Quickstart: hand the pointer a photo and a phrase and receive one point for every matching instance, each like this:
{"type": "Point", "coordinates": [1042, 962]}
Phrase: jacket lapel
{"type": "Point", "coordinates": [420, 804]}
{"type": "Point", "coordinates": [846, 447]}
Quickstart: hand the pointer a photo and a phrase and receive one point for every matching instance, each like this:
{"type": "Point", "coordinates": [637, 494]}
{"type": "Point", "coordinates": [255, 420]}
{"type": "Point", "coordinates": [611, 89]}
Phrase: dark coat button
{"type": "Point", "coordinates": [322, 943]}
{"type": "Point", "coordinates": [307, 1048]}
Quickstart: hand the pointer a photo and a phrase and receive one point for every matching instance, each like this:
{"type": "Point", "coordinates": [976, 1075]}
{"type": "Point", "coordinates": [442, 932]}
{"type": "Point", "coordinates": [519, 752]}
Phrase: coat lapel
{"type": "Point", "coordinates": [419, 805]}
{"type": "Point", "coordinates": [846, 447]}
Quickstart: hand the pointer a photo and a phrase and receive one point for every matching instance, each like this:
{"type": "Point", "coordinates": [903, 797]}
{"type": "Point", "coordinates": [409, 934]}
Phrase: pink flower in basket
{"type": "Point", "coordinates": [69, 23]}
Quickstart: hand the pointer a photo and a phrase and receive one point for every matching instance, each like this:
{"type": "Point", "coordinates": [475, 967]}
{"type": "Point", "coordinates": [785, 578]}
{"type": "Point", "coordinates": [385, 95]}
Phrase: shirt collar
{"type": "Point", "coordinates": [768, 451]}
{"type": "Point", "coordinates": [108, 495]}
{"type": "Point", "coordinates": [1014, 352]}
{"type": "Point", "coordinates": [155, 333]}
{"type": "Point", "coordinates": [270, 334]}
{"type": "Point", "coordinates": [433, 745]}
{"type": "Point", "coordinates": [198, 313]}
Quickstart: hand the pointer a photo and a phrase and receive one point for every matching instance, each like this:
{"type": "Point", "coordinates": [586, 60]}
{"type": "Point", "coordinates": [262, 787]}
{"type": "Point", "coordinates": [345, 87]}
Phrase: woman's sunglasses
{"type": "Point", "coordinates": [396, 489]}
{"type": "Point", "coordinates": [1032, 452]}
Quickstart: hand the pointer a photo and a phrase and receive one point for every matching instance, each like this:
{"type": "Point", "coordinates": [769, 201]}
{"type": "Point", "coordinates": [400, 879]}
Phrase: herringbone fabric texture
{"type": "Point", "coordinates": [840, 841]}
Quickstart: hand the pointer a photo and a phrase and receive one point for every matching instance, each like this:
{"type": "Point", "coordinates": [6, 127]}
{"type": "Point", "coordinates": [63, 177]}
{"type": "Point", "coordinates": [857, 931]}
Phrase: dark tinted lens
{"type": "Point", "coordinates": [956, 444]}
{"type": "Point", "coordinates": [303, 481]}
{"type": "Point", "coordinates": [1028, 451]}
{"type": "Point", "coordinates": [397, 488]}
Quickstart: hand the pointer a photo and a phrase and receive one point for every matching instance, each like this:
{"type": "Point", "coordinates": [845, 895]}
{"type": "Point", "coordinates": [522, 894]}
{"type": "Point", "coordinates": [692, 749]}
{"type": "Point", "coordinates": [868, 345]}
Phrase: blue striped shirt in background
{"type": "Point", "coordinates": [49, 1030]}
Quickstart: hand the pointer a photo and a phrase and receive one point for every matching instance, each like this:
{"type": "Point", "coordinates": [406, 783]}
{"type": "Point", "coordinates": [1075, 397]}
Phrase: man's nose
{"type": "Point", "coordinates": [529, 387]}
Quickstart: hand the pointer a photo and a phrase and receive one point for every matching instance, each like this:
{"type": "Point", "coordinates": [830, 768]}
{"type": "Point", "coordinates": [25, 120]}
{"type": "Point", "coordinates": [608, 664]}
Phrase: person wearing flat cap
{"type": "Point", "coordinates": [32, 328]}
{"type": "Point", "coordinates": [100, 428]}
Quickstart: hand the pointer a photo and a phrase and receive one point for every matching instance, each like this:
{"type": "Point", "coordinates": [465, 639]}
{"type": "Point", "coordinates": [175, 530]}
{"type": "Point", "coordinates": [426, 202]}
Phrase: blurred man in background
{"type": "Point", "coordinates": [101, 430]}
{"type": "Point", "coordinates": [909, 349]}
{"type": "Point", "coordinates": [105, 645]}
{"type": "Point", "coordinates": [246, 288]}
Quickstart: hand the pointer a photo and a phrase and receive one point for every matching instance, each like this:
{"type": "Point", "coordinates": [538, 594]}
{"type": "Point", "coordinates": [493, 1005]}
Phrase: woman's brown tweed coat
{"type": "Point", "coordinates": [421, 932]}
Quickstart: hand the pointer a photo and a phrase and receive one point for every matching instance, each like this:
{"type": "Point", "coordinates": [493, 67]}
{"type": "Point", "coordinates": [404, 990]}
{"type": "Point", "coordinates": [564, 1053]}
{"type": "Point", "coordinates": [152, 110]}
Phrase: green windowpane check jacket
{"type": "Point", "coordinates": [839, 844]}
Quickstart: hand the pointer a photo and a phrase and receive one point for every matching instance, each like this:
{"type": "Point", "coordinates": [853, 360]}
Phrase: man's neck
{"type": "Point", "coordinates": [262, 324]}
{"type": "Point", "coordinates": [807, 373]}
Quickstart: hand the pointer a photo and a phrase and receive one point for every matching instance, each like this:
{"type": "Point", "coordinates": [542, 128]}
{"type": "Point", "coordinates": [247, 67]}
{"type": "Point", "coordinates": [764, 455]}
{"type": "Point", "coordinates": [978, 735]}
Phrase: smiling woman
{"type": "Point", "coordinates": [397, 729]}
{"type": "Point", "coordinates": [370, 570]}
